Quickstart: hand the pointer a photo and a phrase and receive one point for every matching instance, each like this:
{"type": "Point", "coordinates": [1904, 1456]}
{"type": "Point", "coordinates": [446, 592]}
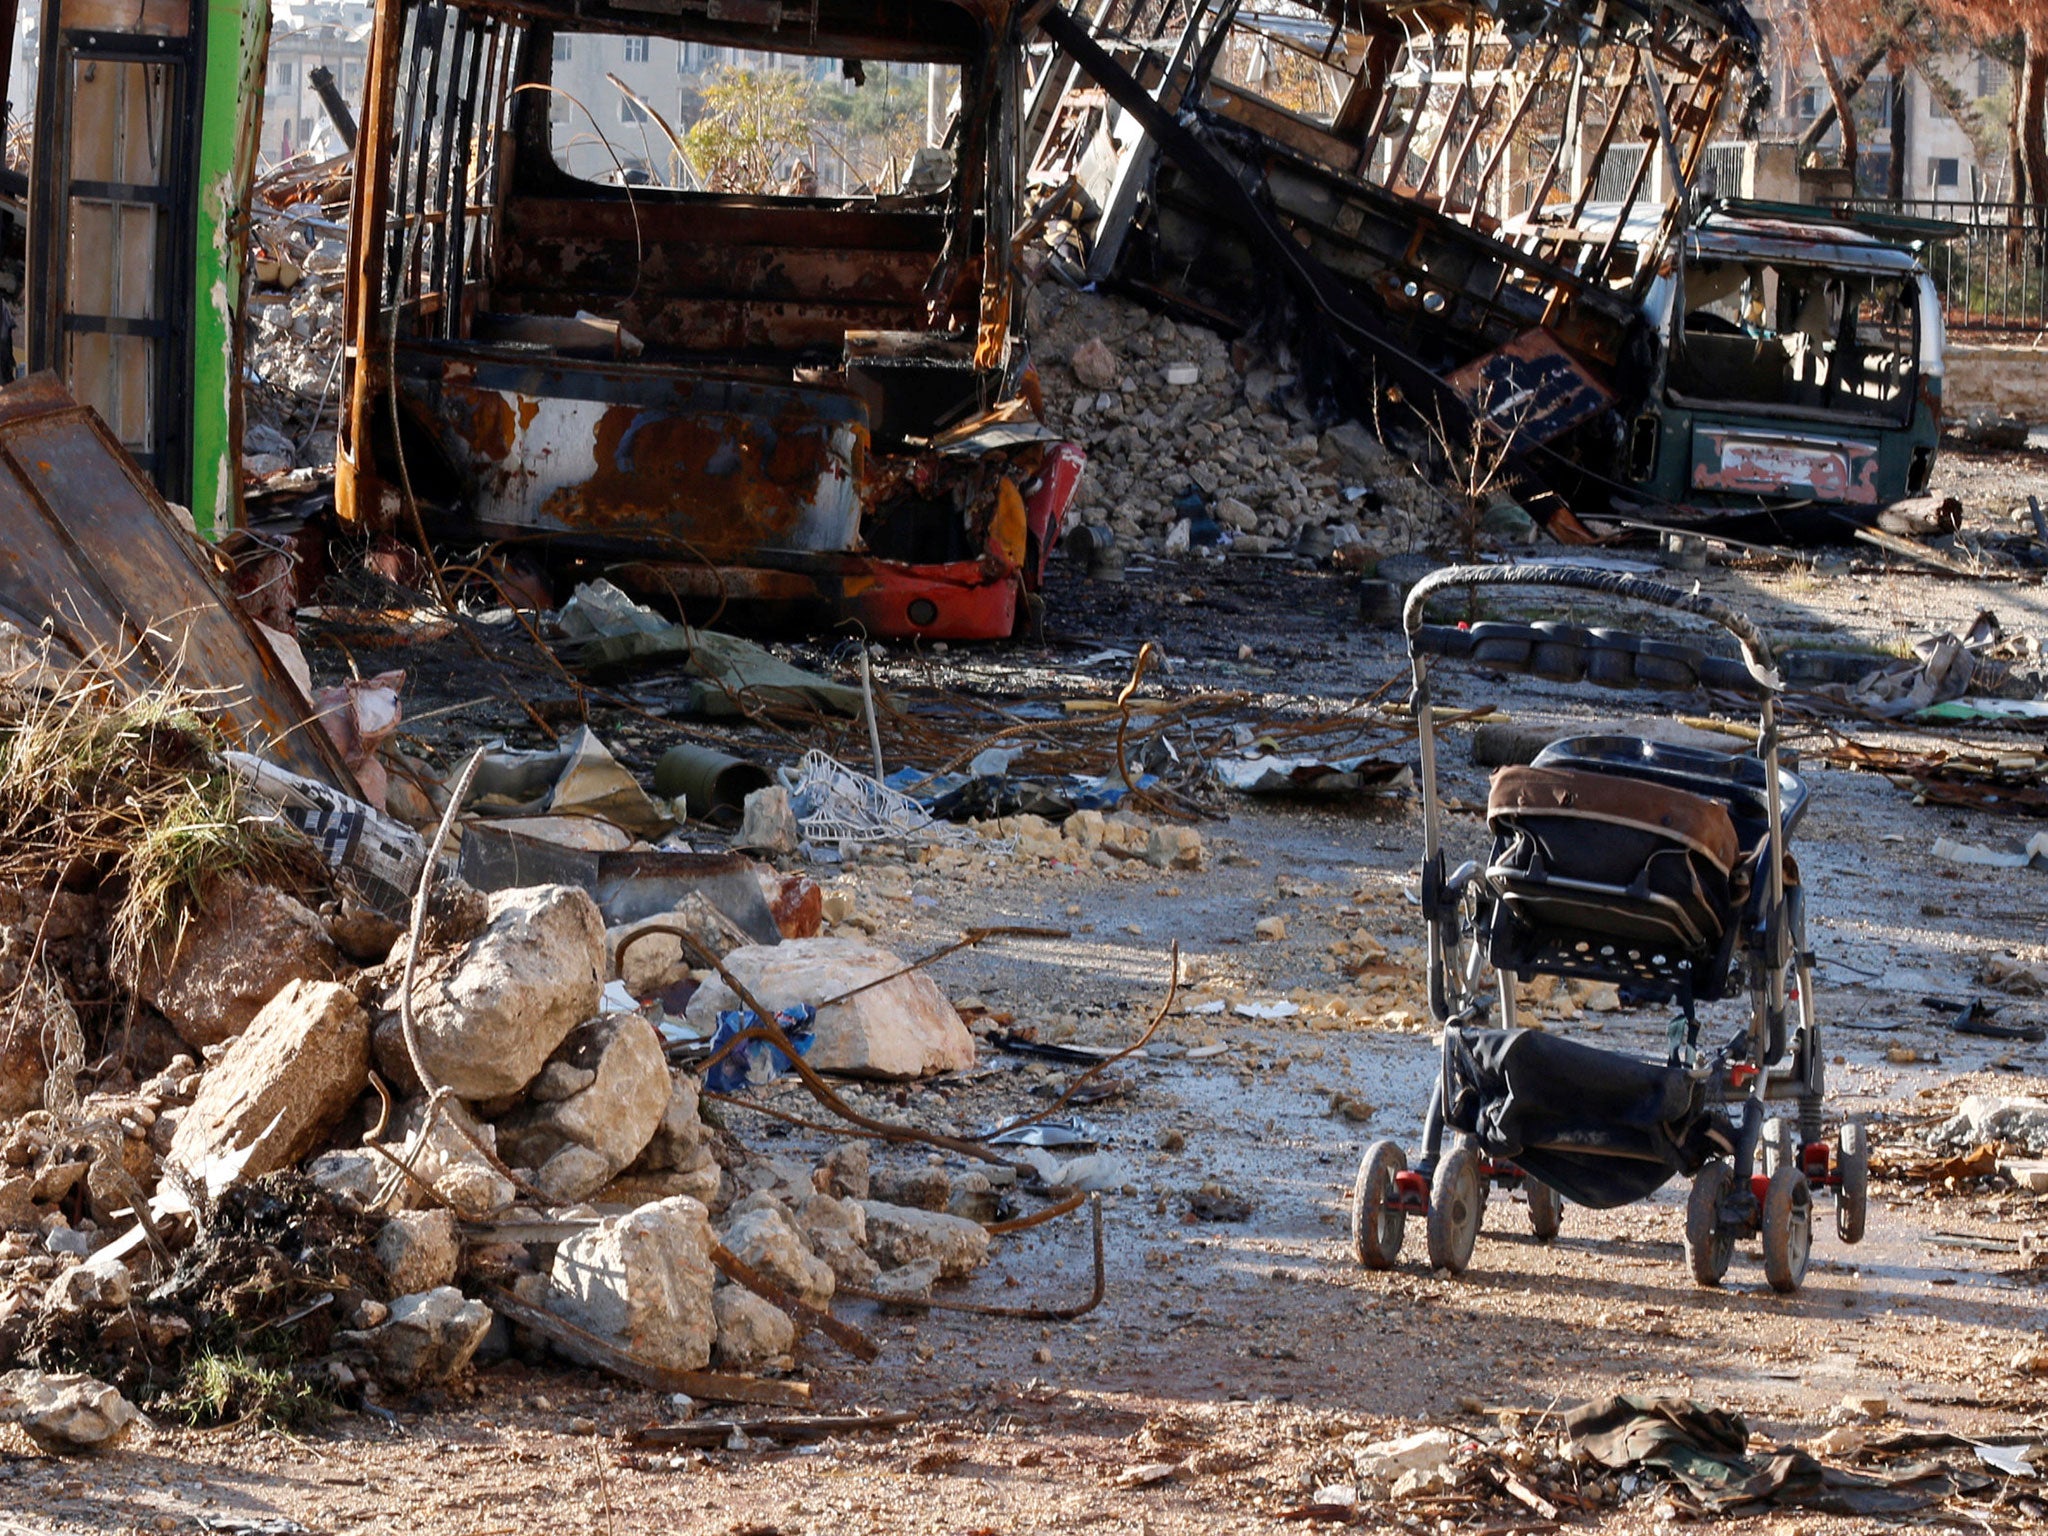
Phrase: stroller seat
{"type": "Point", "coordinates": [1601, 1127]}
{"type": "Point", "coordinates": [1581, 856]}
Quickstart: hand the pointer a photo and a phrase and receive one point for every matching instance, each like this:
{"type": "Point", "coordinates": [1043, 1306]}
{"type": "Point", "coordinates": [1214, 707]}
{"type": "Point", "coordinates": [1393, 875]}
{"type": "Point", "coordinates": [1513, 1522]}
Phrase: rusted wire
{"type": "Point", "coordinates": [1036, 1218]}
{"type": "Point", "coordinates": [771, 1032]}
{"type": "Point", "coordinates": [1089, 1076]}
{"type": "Point", "coordinates": [969, 940]}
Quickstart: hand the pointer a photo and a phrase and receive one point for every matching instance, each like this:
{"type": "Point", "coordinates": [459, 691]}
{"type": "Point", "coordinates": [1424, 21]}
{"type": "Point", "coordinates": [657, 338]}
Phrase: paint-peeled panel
{"type": "Point", "coordinates": [733, 466]}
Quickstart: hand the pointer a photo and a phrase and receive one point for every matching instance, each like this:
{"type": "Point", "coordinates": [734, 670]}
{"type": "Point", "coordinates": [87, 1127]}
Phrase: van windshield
{"type": "Point", "coordinates": [1784, 336]}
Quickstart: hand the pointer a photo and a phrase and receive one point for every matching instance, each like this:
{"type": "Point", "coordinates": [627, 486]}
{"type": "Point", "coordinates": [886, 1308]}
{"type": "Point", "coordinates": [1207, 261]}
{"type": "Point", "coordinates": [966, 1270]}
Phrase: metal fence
{"type": "Point", "coordinates": [1993, 275]}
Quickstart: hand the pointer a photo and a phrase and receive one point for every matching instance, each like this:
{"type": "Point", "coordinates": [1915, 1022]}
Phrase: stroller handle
{"type": "Point", "coordinates": [1756, 650]}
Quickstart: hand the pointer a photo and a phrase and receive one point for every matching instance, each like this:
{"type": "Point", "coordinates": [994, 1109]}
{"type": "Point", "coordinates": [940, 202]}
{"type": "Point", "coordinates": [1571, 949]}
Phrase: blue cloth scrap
{"type": "Point", "coordinates": [756, 1061]}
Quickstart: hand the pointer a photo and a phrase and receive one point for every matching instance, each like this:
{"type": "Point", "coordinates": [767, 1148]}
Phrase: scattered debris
{"type": "Point", "coordinates": [66, 1414]}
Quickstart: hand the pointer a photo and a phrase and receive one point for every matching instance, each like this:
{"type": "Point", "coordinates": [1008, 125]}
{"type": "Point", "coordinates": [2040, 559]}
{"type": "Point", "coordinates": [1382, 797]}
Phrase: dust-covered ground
{"type": "Point", "coordinates": [1250, 1357]}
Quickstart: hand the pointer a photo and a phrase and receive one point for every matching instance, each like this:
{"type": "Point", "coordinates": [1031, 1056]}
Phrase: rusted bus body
{"type": "Point", "coordinates": [805, 406]}
{"type": "Point", "coordinates": [1476, 204]}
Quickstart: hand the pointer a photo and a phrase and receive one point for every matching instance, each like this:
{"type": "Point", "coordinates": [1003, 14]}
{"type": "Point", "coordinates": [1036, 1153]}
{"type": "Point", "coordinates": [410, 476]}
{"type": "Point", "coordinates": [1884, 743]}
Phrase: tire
{"type": "Point", "coordinates": [1852, 1200]}
{"type": "Point", "coordinates": [1376, 1230]}
{"type": "Point", "coordinates": [1708, 1244]}
{"type": "Point", "coordinates": [1455, 1203]}
{"type": "Point", "coordinates": [1546, 1209]}
{"type": "Point", "coordinates": [1788, 1230]}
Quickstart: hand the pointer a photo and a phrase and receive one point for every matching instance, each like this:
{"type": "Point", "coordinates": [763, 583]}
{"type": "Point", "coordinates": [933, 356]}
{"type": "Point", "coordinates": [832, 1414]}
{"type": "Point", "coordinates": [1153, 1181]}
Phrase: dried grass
{"type": "Point", "coordinates": [128, 796]}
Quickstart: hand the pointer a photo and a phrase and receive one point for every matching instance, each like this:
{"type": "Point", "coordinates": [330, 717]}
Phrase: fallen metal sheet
{"type": "Point", "coordinates": [1532, 386]}
{"type": "Point", "coordinates": [93, 557]}
{"type": "Point", "coordinates": [627, 886]}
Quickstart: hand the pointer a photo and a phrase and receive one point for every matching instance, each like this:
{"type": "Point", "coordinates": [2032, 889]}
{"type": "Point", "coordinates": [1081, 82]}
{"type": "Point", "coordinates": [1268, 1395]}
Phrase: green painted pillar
{"type": "Point", "coordinates": [237, 47]}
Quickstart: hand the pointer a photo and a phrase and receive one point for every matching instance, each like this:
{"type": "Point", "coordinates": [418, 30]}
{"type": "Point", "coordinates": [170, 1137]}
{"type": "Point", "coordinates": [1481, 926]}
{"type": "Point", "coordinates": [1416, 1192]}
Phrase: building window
{"type": "Point", "coordinates": [281, 74]}
{"type": "Point", "coordinates": [1987, 79]}
{"type": "Point", "coordinates": [1945, 172]}
{"type": "Point", "coordinates": [562, 50]}
{"type": "Point", "coordinates": [636, 50]}
{"type": "Point", "coordinates": [630, 111]}
{"type": "Point", "coordinates": [352, 78]}
{"type": "Point", "coordinates": [558, 107]}
{"type": "Point", "coordinates": [1808, 102]}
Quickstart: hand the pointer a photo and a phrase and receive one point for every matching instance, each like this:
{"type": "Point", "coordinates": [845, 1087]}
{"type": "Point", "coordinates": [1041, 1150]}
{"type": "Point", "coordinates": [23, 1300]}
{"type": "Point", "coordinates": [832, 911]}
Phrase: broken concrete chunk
{"type": "Point", "coordinates": [1422, 1482]}
{"type": "Point", "coordinates": [490, 1015]}
{"type": "Point", "coordinates": [846, 1172]}
{"type": "Point", "coordinates": [246, 945]}
{"type": "Point", "coordinates": [818, 1213]}
{"type": "Point", "coordinates": [350, 1178]}
{"type": "Point", "coordinates": [837, 1231]}
{"type": "Point", "coordinates": [1383, 1461]}
{"type": "Point", "coordinates": [975, 1199]}
{"type": "Point", "coordinates": [2020, 1123]}
{"type": "Point", "coordinates": [765, 1239]}
{"type": "Point", "coordinates": [419, 1250]}
{"type": "Point", "coordinates": [427, 1338]}
{"type": "Point", "coordinates": [283, 1084]}
{"type": "Point", "coordinates": [572, 1174]}
{"type": "Point", "coordinates": [1173, 848]}
{"type": "Point", "coordinates": [681, 1140]}
{"type": "Point", "coordinates": [608, 1120]}
{"type": "Point", "coordinates": [101, 1284]}
{"type": "Point", "coordinates": [648, 960]}
{"type": "Point", "coordinates": [903, 1027]}
{"type": "Point", "coordinates": [926, 1188]}
{"type": "Point", "coordinates": [447, 1159]}
{"type": "Point", "coordinates": [2016, 976]}
{"type": "Point", "coordinates": [1094, 364]}
{"type": "Point", "coordinates": [643, 1282]}
{"type": "Point", "coordinates": [66, 1414]}
{"type": "Point", "coordinates": [559, 1080]}
{"type": "Point", "coordinates": [768, 822]}
{"type": "Point", "coordinates": [752, 1334]}
{"type": "Point", "coordinates": [908, 1282]}
{"type": "Point", "coordinates": [899, 1235]}
{"type": "Point", "coordinates": [634, 1189]}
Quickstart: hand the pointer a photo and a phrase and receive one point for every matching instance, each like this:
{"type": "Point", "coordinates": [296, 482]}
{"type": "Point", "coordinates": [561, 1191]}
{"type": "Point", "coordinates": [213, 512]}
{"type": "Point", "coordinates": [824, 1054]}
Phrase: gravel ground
{"type": "Point", "coordinates": [1243, 1352]}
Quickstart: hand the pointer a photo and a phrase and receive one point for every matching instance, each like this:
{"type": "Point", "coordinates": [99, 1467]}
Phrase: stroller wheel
{"type": "Point", "coordinates": [1788, 1229]}
{"type": "Point", "coordinates": [1377, 1221]}
{"type": "Point", "coordinates": [1852, 1201]}
{"type": "Point", "coordinates": [1708, 1243]}
{"type": "Point", "coordinates": [1455, 1206]}
{"type": "Point", "coordinates": [1546, 1209]}
{"type": "Point", "coordinates": [1778, 1148]}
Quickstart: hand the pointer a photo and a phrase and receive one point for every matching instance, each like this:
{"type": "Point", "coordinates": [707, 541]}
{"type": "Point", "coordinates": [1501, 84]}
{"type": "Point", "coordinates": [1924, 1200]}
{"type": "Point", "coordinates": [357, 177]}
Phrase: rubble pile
{"type": "Point", "coordinates": [298, 254]}
{"type": "Point", "coordinates": [1194, 443]}
{"type": "Point", "coordinates": [319, 1193]}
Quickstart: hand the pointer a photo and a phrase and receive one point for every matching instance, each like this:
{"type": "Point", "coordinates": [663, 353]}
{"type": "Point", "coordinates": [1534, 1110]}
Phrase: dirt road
{"type": "Point", "coordinates": [1250, 1358]}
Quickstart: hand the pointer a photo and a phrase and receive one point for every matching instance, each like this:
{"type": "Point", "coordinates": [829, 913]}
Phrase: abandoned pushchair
{"type": "Point", "coordinates": [1664, 870]}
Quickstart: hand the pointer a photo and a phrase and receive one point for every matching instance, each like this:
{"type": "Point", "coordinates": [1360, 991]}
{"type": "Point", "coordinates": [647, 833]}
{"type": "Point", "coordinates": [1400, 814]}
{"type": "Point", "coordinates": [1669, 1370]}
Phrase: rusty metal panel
{"type": "Point", "coordinates": [622, 451]}
{"type": "Point", "coordinates": [91, 555]}
{"type": "Point", "coordinates": [1532, 387]}
{"type": "Point", "coordinates": [1766, 463]}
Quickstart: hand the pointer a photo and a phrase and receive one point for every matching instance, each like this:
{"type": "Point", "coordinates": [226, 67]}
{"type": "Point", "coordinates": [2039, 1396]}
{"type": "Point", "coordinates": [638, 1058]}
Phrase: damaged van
{"type": "Point", "coordinates": [1801, 367]}
{"type": "Point", "coordinates": [797, 402]}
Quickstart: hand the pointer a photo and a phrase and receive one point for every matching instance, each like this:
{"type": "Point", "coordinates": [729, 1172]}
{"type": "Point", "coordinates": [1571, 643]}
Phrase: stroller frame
{"type": "Point", "coordinates": [1745, 1183]}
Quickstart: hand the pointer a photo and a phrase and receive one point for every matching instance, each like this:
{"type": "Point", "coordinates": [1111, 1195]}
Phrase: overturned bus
{"type": "Point", "coordinates": [1487, 213]}
{"type": "Point", "coordinates": [793, 405]}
